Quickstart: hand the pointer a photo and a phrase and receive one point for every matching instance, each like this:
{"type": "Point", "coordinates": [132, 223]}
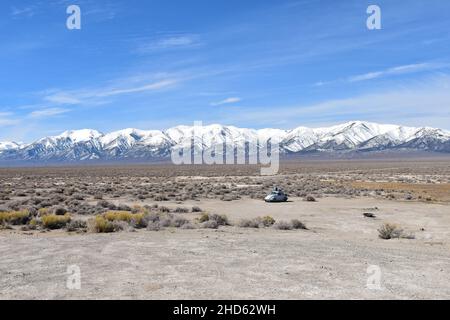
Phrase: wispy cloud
{"type": "Point", "coordinates": [6, 119]}
{"type": "Point", "coordinates": [411, 68]}
{"type": "Point", "coordinates": [28, 11]}
{"type": "Point", "coordinates": [46, 113]}
{"type": "Point", "coordinates": [226, 101]}
{"type": "Point", "coordinates": [93, 95]}
{"type": "Point", "coordinates": [424, 103]}
{"type": "Point", "coordinates": [168, 42]}
{"type": "Point", "coordinates": [394, 71]}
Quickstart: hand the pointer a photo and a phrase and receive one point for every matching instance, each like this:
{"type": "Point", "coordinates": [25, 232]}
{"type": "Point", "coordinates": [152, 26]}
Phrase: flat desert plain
{"type": "Point", "coordinates": [204, 232]}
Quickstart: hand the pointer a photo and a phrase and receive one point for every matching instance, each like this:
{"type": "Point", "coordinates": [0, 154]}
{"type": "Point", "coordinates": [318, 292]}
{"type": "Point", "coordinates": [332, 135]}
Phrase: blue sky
{"type": "Point", "coordinates": [160, 63]}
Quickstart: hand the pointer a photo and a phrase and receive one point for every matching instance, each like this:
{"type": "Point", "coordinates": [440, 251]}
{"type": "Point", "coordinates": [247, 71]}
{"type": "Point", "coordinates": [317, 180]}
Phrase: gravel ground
{"type": "Point", "coordinates": [329, 261]}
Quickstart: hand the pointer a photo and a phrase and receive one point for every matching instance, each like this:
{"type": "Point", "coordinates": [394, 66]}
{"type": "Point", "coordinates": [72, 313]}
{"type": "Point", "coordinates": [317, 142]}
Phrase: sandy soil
{"type": "Point", "coordinates": [329, 261]}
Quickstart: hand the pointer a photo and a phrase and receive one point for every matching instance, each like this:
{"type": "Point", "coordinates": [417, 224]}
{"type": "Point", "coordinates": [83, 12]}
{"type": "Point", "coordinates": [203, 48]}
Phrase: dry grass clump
{"type": "Point", "coordinates": [251, 223]}
{"type": "Point", "coordinates": [156, 221]}
{"type": "Point", "coordinates": [283, 225]}
{"type": "Point", "coordinates": [53, 221]}
{"type": "Point", "coordinates": [76, 225]}
{"type": "Point", "coordinates": [291, 225]}
{"type": "Point", "coordinates": [259, 222]}
{"type": "Point", "coordinates": [298, 225]}
{"type": "Point", "coordinates": [268, 221]}
{"type": "Point", "coordinates": [221, 220]}
{"type": "Point", "coordinates": [210, 224]}
{"type": "Point", "coordinates": [181, 210]}
{"type": "Point", "coordinates": [100, 225]}
{"type": "Point", "coordinates": [391, 231]}
{"type": "Point", "coordinates": [310, 199]}
{"type": "Point", "coordinates": [15, 217]}
{"type": "Point", "coordinates": [135, 219]}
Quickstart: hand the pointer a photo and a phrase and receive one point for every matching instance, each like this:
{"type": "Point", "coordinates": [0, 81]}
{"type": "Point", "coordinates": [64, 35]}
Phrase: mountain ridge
{"type": "Point", "coordinates": [130, 143]}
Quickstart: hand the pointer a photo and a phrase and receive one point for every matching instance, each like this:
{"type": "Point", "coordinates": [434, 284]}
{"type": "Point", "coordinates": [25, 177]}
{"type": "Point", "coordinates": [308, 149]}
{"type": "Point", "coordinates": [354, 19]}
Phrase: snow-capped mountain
{"type": "Point", "coordinates": [7, 145]}
{"type": "Point", "coordinates": [130, 144]}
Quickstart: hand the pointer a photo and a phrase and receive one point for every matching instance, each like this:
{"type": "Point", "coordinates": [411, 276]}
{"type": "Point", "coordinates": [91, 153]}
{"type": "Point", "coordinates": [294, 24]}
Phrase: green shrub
{"type": "Point", "coordinates": [268, 221]}
{"type": "Point", "coordinates": [15, 217]}
{"type": "Point", "coordinates": [221, 220]}
{"type": "Point", "coordinates": [135, 219]}
{"type": "Point", "coordinates": [100, 225]}
{"type": "Point", "coordinates": [52, 221]}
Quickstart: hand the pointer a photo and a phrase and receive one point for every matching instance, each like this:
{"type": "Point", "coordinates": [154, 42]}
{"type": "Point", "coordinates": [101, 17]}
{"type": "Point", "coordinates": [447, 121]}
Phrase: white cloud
{"type": "Point", "coordinates": [411, 68]}
{"type": "Point", "coordinates": [93, 95]}
{"type": "Point", "coordinates": [49, 112]}
{"type": "Point", "coordinates": [29, 11]}
{"type": "Point", "coordinates": [171, 42]}
{"type": "Point", "coordinates": [394, 71]}
{"type": "Point", "coordinates": [226, 101]}
{"type": "Point", "coordinates": [62, 98]}
{"type": "Point", "coordinates": [6, 119]}
{"type": "Point", "coordinates": [420, 104]}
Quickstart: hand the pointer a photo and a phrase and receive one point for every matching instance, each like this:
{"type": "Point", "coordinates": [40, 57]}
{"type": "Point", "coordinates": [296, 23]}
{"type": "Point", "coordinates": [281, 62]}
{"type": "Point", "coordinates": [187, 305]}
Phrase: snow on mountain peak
{"type": "Point", "coordinates": [9, 145]}
{"type": "Point", "coordinates": [129, 143]}
{"type": "Point", "coordinates": [81, 135]}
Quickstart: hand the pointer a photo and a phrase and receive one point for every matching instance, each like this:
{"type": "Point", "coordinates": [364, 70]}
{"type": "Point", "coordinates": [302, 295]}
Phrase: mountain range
{"type": "Point", "coordinates": [133, 144]}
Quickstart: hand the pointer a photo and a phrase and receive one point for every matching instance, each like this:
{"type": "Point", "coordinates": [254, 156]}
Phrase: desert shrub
{"type": "Point", "coordinates": [165, 221]}
{"type": "Point", "coordinates": [52, 221]}
{"type": "Point", "coordinates": [250, 223]}
{"type": "Point", "coordinates": [181, 210]}
{"type": "Point", "coordinates": [310, 199]}
{"type": "Point", "coordinates": [211, 224]}
{"type": "Point", "coordinates": [164, 209]}
{"type": "Point", "coordinates": [297, 224]}
{"type": "Point", "coordinates": [106, 204]}
{"type": "Point", "coordinates": [125, 216]}
{"type": "Point", "coordinates": [390, 231]}
{"type": "Point", "coordinates": [268, 221]}
{"type": "Point", "coordinates": [43, 212]}
{"type": "Point", "coordinates": [196, 209]}
{"type": "Point", "coordinates": [151, 218]}
{"type": "Point", "coordinates": [154, 226]}
{"type": "Point", "coordinates": [76, 225]}
{"type": "Point", "coordinates": [222, 220]}
{"type": "Point", "coordinates": [204, 217]}
{"type": "Point", "coordinates": [15, 217]}
{"type": "Point", "coordinates": [161, 198]}
{"type": "Point", "coordinates": [60, 211]}
{"type": "Point", "coordinates": [123, 207]}
{"type": "Point", "coordinates": [137, 209]}
{"type": "Point", "coordinates": [369, 215]}
{"type": "Point", "coordinates": [178, 222]}
{"type": "Point", "coordinates": [78, 196]}
{"type": "Point", "coordinates": [188, 226]}
{"type": "Point", "coordinates": [283, 225]}
{"type": "Point", "coordinates": [35, 222]}
{"type": "Point", "coordinates": [122, 226]}
{"type": "Point", "coordinates": [100, 225]}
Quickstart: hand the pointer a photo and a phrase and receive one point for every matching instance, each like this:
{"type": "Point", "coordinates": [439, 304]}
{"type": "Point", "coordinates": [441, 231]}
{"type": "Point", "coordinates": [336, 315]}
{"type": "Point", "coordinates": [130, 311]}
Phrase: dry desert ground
{"type": "Point", "coordinates": [165, 232]}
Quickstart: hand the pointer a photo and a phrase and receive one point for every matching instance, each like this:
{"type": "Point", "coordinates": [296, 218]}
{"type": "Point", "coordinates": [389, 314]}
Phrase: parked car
{"type": "Point", "coordinates": [277, 195]}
